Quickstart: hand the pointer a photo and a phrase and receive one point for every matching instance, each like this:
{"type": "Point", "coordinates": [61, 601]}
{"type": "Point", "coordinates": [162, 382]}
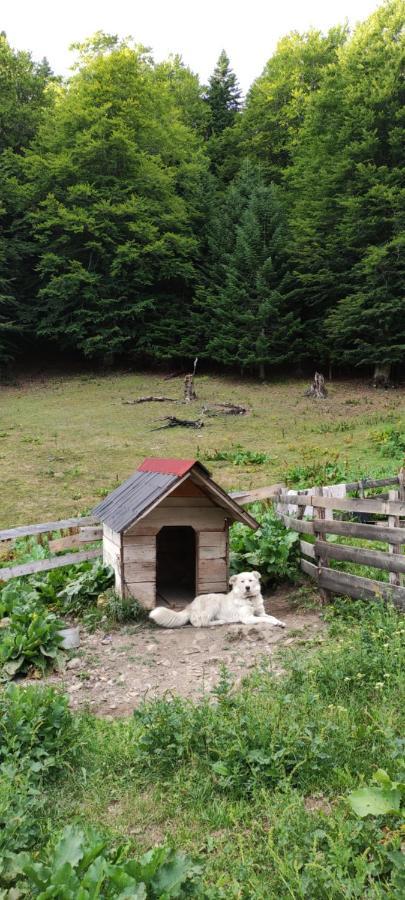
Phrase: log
{"type": "Point", "coordinates": [174, 422]}
{"type": "Point", "coordinates": [150, 400]}
{"type": "Point", "coordinates": [224, 409]}
{"type": "Point", "coordinates": [269, 492]}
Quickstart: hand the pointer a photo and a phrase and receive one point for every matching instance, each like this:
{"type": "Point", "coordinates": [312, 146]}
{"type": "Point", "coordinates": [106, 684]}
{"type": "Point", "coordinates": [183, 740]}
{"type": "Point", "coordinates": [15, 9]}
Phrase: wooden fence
{"type": "Point", "coordinates": [80, 531]}
{"type": "Point", "coordinates": [380, 518]}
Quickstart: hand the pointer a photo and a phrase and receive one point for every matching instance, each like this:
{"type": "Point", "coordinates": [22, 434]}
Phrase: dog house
{"type": "Point", "coordinates": [165, 532]}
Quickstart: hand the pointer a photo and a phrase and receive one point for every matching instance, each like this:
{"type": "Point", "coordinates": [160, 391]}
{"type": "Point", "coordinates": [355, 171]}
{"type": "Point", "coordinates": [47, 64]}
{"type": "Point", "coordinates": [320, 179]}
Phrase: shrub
{"type": "Point", "coordinates": [37, 730]}
{"type": "Point", "coordinates": [82, 866]}
{"type": "Point", "coordinates": [318, 468]}
{"type": "Point", "coordinates": [239, 456]}
{"type": "Point", "coordinates": [272, 549]}
{"type": "Point", "coordinates": [30, 641]}
{"type": "Point", "coordinates": [390, 441]}
{"type": "Point", "coordinates": [76, 597]}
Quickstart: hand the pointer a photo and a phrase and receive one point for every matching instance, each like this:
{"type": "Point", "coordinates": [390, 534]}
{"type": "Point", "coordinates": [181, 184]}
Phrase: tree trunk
{"type": "Point", "coordinates": [382, 375]}
{"type": "Point", "coordinates": [262, 372]}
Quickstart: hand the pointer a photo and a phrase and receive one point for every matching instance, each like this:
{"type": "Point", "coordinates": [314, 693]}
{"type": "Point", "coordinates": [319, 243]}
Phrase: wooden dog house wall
{"type": "Point", "coordinates": [165, 532]}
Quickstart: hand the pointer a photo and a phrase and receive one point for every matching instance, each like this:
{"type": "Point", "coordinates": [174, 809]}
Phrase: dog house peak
{"type": "Point", "coordinates": [165, 532]}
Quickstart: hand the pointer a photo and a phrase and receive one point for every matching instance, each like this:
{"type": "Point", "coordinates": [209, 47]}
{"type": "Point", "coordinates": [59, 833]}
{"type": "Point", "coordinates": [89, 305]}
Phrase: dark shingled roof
{"type": "Point", "coordinates": [147, 485]}
{"type": "Point", "coordinates": [130, 499]}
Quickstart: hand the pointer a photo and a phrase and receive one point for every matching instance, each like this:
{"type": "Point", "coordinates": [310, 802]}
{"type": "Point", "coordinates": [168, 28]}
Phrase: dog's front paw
{"type": "Point", "coordinates": [281, 624]}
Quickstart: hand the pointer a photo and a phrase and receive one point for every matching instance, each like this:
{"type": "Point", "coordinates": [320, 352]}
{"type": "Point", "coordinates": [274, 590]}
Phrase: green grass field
{"type": "Point", "coordinates": [254, 784]}
{"type": "Point", "coordinates": [65, 441]}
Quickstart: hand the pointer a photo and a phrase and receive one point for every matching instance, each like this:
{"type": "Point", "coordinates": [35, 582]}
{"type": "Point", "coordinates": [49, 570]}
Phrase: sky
{"type": "Point", "coordinates": [247, 30]}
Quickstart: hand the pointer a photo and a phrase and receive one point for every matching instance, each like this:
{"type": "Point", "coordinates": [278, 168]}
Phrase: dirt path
{"type": "Point", "coordinates": [112, 673]}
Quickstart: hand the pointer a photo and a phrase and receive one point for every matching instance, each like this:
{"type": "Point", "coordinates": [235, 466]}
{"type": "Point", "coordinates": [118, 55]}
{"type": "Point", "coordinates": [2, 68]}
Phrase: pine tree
{"type": "Point", "coordinates": [223, 96]}
{"type": "Point", "coordinates": [250, 326]}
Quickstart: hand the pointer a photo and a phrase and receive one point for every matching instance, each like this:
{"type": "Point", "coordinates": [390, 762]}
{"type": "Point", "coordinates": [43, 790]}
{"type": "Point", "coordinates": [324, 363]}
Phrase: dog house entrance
{"type": "Point", "coordinates": [175, 565]}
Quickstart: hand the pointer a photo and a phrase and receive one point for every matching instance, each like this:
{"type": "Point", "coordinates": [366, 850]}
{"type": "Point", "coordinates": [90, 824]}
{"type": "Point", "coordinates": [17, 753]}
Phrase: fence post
{"type": "Point", "coordinates": [396, 548]}
{"type": "Point", "coordinates": [393, 522]}
{"type": "Point", "coordinates": [320, 513]}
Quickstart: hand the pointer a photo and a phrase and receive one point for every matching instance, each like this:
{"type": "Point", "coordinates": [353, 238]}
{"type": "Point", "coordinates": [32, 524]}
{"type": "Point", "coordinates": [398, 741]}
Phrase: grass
{"type": "Point", "coordinates": [66, 442]}
{"type": "Point", "coordinates": [255, 784]}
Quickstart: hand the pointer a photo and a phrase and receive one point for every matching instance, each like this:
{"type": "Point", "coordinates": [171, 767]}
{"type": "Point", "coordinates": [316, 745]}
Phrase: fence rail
{"type": "Point", "coordinates": [318, 554]}
{"type": "Point", "coordinates": [83, 530]}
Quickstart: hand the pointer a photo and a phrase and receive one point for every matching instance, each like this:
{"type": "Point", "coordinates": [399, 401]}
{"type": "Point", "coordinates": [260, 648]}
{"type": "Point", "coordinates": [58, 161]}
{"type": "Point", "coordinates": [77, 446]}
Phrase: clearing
{"type": "Point", "coordinates": [65, 442]}
{"type": "Point", "coordinates": [113, 672]}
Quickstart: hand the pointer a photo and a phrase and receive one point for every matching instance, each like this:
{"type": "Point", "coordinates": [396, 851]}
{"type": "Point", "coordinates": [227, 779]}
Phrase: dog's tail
{"type": "Point", "coordinates": [169, 618]}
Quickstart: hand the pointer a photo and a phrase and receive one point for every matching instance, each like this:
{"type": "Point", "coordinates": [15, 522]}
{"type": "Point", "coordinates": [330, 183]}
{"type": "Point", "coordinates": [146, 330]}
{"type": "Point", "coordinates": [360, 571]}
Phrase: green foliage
{"type": "Point", "coordinates": [29, 641]}
{"type": "Point", "coordinates": [272, 549]}
{"type": "Point", "coordinates": [37, 730]}
{"type": "Point", "coordinates": [390, 441]}
{"type": "Point", "coordinates": [121, 609]}
{"type": "Point", "coordinates": [311, 730]}
{"type": "Point", "coordinates": [383, 798]}
{"type": "Point", "coordinates": [239, 456]}
{"type": "Point", "coordinates": [30, 637]}
{"type": "Point", "coordinates": [80, 865]}
{"type": "Point", "coordinates": [319, 468]}
{"type": "Point", "coordinates": [76, 597]}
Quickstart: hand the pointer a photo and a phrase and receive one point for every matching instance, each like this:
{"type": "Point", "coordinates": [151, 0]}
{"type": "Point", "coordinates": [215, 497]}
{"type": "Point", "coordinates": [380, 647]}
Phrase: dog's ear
{"type": "Point", "coordinates": [232, 579]}
{"type": "Point", "coordinates": [258, 575]}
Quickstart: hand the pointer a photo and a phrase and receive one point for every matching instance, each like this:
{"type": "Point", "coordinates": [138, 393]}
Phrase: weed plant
{"type": "Point", "coordinates": [272, 549]}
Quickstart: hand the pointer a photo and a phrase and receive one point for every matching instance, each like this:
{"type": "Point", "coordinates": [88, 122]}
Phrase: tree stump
{"type": "Point", "coordinates": [317, 389]}
{"type": "Point", "coordinates": [189, 392]}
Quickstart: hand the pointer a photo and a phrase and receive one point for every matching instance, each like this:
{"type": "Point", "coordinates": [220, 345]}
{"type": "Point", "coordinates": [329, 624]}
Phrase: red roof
{"type": "Point", "coordinates": [167, 466]}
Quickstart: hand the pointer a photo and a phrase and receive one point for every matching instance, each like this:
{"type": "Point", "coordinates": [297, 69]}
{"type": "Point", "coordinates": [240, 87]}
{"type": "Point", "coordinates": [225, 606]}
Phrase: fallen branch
{"type": "Point", "coordinates": [174, 422]}
{"type": "Point", "coordinates": [225, 409]}
{"type": "Point", "coordinates": [150, 400]}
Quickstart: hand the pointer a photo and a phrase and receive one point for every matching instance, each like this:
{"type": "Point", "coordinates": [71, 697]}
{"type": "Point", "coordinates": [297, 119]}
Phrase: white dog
{"type": "Point", "coordinates": [244, 604]}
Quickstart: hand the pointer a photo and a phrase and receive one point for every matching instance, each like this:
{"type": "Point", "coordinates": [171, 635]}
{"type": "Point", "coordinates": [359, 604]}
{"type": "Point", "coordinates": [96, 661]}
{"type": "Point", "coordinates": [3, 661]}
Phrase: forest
{"type": "Point", "coordinates": [146, 218]}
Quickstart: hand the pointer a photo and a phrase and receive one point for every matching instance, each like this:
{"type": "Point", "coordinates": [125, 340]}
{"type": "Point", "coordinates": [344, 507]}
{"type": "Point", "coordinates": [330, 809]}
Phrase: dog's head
{"type": "Point", "coordinates": [246, 584]}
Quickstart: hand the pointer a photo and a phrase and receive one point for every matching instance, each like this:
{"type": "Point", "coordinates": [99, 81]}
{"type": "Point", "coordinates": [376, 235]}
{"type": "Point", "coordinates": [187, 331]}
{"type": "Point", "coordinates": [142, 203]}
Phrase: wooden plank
{"type": "Point", "coordinates": [371, 483]}
{"type": "Point", "coordinates": [44, 565]}
{"type": "Point", "coordinates": [212, 570]}
{"type": "Point", "coordinates": [200, 519]}
{"type": "Point", "coordinates": [187, 502]}
{"type": "Point", "coordinates": [139, 572]}
{"type": "Point", "coordinates": [112, 536]}
{"type": "Point", "coordinates": [139, 553]}
{"type": "Point", "coordinates": [394, 549]}
{"type": "Point", "coordinates": [145, 593]}
{"type": "Point", "coordinates": [214, 539]}
{"type": "Point", "coordinates": [213, 587]}
{"type": "Point", "coordinates": [88, 535]}
{"type": "Point", "coordinates": [309, 568]}
{"type": "Point", "coordinates": [66, 543]}
{"type": "Point", "coordinates": [139, 540]}
{"type": "Point", "coordinates": [188, 489]}
{"type": "Point", "coordinates": [308, 549]}
{"type": "Point", "coordinates": [263, 493]}
{"type": "Point", "coordinates": [377, 532]}
{"type": "Point", "coordinates": [297, 524]}
{"type": "Point", "coordinates": [84, 536]}
{"type": "Point", "coordinates": [393, 507]}
{"type": "Point", "coordinates": [380, 559]}
{"type": "Point", "coordinates": [213, 552]}
{"type": "Point", "coordinates": [142, 530]}
{"type": "Point", "coordinates": [364, 588]}
{"type": "Point", "coordinates": [319, 516]}
{"type": "Point", "coordinates": [9, 534]}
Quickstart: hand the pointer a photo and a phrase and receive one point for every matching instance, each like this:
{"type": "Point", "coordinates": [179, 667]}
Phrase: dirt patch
{"type": "Point", "coordinates": [318, 803]}
{"type": "Point", "coordinates": [113, 673]}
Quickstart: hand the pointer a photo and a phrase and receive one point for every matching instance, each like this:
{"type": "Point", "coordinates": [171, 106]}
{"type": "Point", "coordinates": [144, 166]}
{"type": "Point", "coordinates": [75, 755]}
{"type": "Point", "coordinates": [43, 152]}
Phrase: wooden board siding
{"type": "Point", "coordinates": [212, 567]}
{"type": "Point", "coordinates": [144, 592]}
{"type": "Point", "coordinates": [112, 555]}
{"type": "Point", "coordinates": [199, 518]}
